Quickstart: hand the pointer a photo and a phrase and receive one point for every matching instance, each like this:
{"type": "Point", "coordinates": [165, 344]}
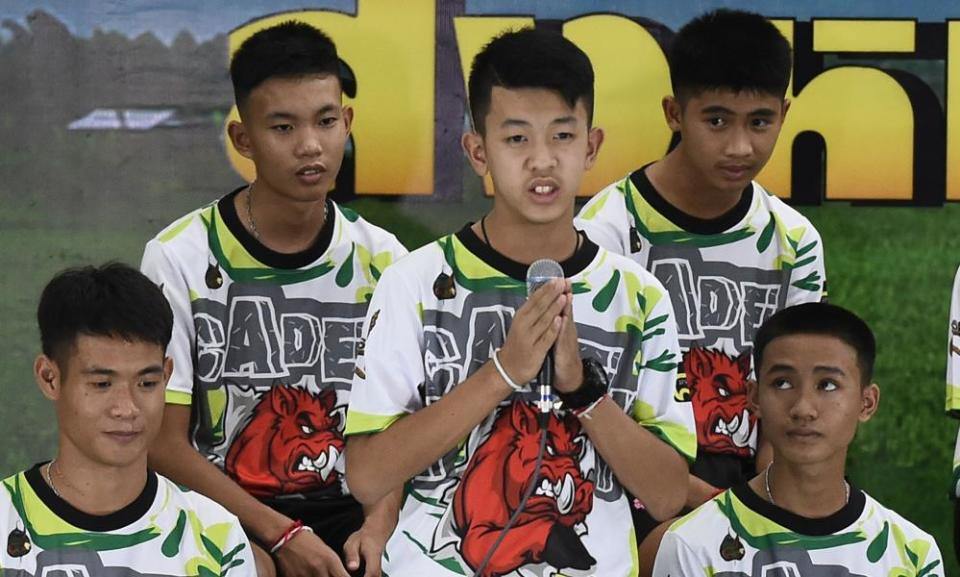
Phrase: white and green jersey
{"type": "Point", "coordinates": [953, 374]}
{"type": "Point", "coordinates": [264, 343]}
{"type": "Point", "coordinates": [165, 531]}
{"type": "Point", "coordinates": [725, 277]}
{"type": "Point", "coordinates": [738, 534]}
{"type": "Point", "coordinates": [435, 318]}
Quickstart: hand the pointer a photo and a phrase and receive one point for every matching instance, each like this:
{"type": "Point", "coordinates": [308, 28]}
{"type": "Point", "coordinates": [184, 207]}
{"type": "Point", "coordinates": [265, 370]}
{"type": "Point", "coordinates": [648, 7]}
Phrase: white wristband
{"type": "Point", "coordinates": [503, 373]}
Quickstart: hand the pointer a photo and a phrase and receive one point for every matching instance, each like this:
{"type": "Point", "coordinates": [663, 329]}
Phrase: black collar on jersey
{"type": "Point", "coordinates": [689, 223]}
{"type": "Point", "coordinates": [517, 270]}
{"type": "Point", "coordinates": [99, 523]}
{"type": "Point", "coordinates": [835, 523]}
{"type": "Point", "coordinates": [272, 258]}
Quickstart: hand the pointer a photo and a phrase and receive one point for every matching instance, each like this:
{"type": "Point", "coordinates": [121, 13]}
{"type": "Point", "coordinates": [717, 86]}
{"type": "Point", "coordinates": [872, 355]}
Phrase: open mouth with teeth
{"type": "Point", "coordinates": [321, 465]}
{"type": "Point", "coordinates": [543, 189]}
{"type": "Point", "coordinates": [738, 429]}
{"type": "Point", "coordinates": [310, 171]}
{"type": "Point", "coordinates": [560, 492]}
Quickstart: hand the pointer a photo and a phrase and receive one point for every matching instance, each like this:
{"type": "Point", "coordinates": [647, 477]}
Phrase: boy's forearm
{"type": "Point", "coordinates": [649, 468]}
{"type": "Point", "coordinates": [379, 463]}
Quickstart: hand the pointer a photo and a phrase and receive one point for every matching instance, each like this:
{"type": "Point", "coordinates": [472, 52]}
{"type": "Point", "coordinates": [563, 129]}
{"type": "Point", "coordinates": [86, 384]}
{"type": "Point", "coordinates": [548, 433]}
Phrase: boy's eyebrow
{"type": "Point", "coordinates": [523, 123]}
{"type": "Point", "coordinates": [829, 369]}
{"type": "Point", "coordinates": [514, 122]}
{"type": "Point", "coordinates": [780, 367]}
{"type": "Point", "coordinates": [718, 109]}
{"type": "Point", "coordinates": [784, 367]}
{"type": "Point", "coordinates": [282, 115]}
{"type": "Point", "coordinates": [95, 370]}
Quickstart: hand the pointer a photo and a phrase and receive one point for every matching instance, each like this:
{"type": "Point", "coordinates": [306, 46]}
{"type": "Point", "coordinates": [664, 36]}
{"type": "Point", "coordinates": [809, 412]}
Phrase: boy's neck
{"type": "Point", "coordinates": [92, 488]}
{"type": "Point", "coordinates": [526, 242]}
{"type": "Point", "coordinates": [677, 181]}
{"type": "Point", "coordinates": [810, 491]}
{"type": "Point", "coordinates": [281, 224]}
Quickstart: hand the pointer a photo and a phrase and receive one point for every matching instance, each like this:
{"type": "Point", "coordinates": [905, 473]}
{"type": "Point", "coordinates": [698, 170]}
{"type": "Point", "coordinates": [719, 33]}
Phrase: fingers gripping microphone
{"type": "Point", "coordinates": [540, 273]}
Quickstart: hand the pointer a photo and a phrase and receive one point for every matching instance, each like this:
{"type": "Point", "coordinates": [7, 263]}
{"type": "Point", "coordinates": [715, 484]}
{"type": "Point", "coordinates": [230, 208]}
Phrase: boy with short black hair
{"type": "Point", "coordinates": [95, 509]}
{"type": "Point", "coordinates": [800, 515]}
{"type": "Point", "coordinates": [729, 253]}
{"type": "Point", "coordinates": [269, 287]}
{"type": "Point", "coordinates": [442, 399]}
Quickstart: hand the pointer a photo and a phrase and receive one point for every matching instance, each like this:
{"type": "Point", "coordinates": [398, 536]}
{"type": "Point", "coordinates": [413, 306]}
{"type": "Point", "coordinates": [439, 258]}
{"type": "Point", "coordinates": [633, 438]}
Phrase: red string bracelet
{"type": "Point", "coordinates": [288, 535]}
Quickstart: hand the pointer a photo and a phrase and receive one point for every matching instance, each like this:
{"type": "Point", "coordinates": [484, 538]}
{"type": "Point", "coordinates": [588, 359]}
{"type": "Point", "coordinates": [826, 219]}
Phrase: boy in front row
{"type": "Point", "coordinates": [442, 396]}
{"type": "Point", "coordinates": [800, 515]}
{"type": "Point", "coordinates": [95, 509]}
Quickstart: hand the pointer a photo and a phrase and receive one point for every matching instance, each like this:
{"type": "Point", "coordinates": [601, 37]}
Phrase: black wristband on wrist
{"type": "Point", "coordinates": [593, 387]}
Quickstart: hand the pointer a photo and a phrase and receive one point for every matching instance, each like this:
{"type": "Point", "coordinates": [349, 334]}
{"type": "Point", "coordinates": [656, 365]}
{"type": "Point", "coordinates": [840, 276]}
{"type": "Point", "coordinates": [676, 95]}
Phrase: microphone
{"type": "Point", "coordinates": [540, 273]}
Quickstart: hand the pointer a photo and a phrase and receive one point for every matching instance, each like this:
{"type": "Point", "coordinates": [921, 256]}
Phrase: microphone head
{"type": "Point", "coordinates": [540, 272]}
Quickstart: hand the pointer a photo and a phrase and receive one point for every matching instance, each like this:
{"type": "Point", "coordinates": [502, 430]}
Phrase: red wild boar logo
{"type": "Point", "coordinates": [718, 391]}
{"type": "Point", "coordinates": [496, 479]}
{"type": "Point", "coordinates": [290, 445]}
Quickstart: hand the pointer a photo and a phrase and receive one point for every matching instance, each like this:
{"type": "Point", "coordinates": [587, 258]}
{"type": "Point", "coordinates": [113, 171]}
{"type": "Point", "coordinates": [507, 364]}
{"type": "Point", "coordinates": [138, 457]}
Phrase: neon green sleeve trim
{"type": "Point", "coordinates": [953, 399]}
{"type": "Point", "coordinates": [682, 439]}
{"type": "Point", "coordinates": [178, 398]}
{"type": "Point", "coordinates": [364, 423]}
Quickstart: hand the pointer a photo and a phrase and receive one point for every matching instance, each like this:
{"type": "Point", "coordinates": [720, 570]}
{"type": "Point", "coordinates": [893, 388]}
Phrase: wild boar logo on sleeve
{"type": "Point", "coordinates": [496, 479]}
{"type": "Point", "coordinates": [291, 444]}
{"type": "Point", "coordinates": [717, 386]}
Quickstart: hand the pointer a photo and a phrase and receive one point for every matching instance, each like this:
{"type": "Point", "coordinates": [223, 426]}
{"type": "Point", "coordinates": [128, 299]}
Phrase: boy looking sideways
{"type": "Point", "coordinates": [800, 515]}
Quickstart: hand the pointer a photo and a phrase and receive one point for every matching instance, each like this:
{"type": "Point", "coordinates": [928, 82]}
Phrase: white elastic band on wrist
{"type": "Point", "coordinates": [503, 373]}
{"type": "Point", "coordinates": [584, 413]}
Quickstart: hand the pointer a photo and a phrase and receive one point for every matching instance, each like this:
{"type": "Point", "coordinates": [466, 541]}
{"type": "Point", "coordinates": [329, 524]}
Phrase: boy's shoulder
{"type": "Point", "coordinates": [883, 515]}
{"type": "Point", "coordinates": [428, 258]}
{"type": "Point", "coordinates": [788, 215]}
{"type": "Point", "coordinates": [625, 264]}
{"type": "Point", "coordinates": [365, 233]}
{"type": "Point", "coordinates": [206, 509]}
{"type": "Point", "coordinates": [188, 225]}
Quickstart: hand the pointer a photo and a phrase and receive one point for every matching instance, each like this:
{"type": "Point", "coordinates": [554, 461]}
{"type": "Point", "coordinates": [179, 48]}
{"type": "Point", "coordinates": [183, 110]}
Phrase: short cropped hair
{"type": "Point", "coordinates": [113, 300]}
{"type": "Point", "coordinates": [529, 58]}
{"type": "Point", "coordinates": [288, 50]}
{"type": "Point", "coordinates": [729, 50]}
{"type": "Point", "coordinates": [825, 320]}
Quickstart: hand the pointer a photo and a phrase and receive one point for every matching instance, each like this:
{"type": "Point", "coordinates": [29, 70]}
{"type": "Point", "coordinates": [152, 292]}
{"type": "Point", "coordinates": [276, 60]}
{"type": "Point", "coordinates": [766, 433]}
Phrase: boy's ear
{"type": "Point", "coordinates": [786, 107]}
{"type": "Point", "coordinates": [869, 401]}
{"type": "Point", "coordinates": [239, 137]}
{"type": "Point", "coordinates": [347, 117]}
{"type": "Point", "coordinates": [167, 370]}
{"type": "Point", "coordinates": [752, 390]}
{"type": "Point", "coordinates": [672, 112]}
{"type": "Point", "coordinates": [473, 148]}
{"type": "Point", "coordinates": [594, 140]}
{"type": "Point", "coordinates": [47, 375]}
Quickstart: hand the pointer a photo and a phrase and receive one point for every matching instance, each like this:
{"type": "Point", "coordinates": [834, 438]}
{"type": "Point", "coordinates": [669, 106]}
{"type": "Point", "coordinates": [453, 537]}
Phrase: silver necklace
{"type": "Point", "coordinates": [253, 223]}
{"type": "Point", "coordinates": [50, 478]}
{"type": "Point", "coordinates": [766, 485]}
